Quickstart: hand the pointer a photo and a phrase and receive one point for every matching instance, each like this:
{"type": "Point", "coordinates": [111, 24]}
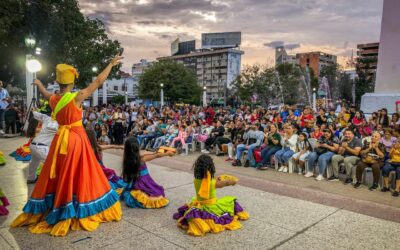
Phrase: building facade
{"type": "Point", "coordinates": [367, 58]}
{"type": "Point", "coordinates": [215, 69]}
{"type": "Point", "coordinates": [281, 56]}
{"type": "Point", "coordinates": [316, 60]}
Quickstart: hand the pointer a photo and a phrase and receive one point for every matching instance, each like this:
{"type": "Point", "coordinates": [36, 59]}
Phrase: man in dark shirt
{"type": "Point", "coordinates": [348, 153]}
{"type": "Point", "coordinates": [216, 132]}
{"type": "Point", "coordinates": [10, 117]}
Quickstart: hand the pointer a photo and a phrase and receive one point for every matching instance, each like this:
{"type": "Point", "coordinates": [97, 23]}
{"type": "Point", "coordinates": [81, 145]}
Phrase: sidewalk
{"type": "Point", "coordinates": [276, 221]}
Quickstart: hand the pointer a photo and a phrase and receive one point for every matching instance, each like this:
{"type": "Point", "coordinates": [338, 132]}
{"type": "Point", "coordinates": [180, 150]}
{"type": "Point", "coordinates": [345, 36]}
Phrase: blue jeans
{"type": "Point", "coordinates": [389, 167]}
{"type": "Point", "coordinates": [241, 147]}
{"type": "Point", "coordinates": [145, 136]}
{"type": "Point", "coordinates": [266, 154]}
{"type": "Point", "coordinates": [283, 155]}
{"type": "Point", "coordinates": [160, 141]}
{"type": "Point", "coordinates": [323, 161]}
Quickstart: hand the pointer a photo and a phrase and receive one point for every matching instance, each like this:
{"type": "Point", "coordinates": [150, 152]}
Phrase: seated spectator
{"type": "Point", "coordinates": [148, 133]}
{"type": "Point", "coordinates": [348, 152]}
{"type": "Point", "coordinates": [237, 131]}
{"type": "Point", "coordinates": [331, 117]}
{"type": "Point", "coordinates": [372, 155]}
{"type": "Point", "coordinates": [393, 164]}
{"type": "Point", "coordinates": [252, 138]}
{"type": "Point", "coordinates": [165, 133]}
{"type": "Point", "coordinates": [273, 142]}
{"type": "Point", "coordinates": [216, 132]}
{"type": "Point", "coordinates": [289, 141]}
{"type": "Point", "coordinates": [343, 117]}
{"type": "Point", "coordinates": [383, 118]}
{"type": "Point", "coordinates": [357, 120]}
{"type": "Point", "coordinates": [321, 118]}
{"type": "Point", "coordinates": [395, 121]}
{"type": "Point", "coordinates": [388, 140]}
{"type": "Point", "coordinates": [317, 133]}
{"type": "Point", "coordinates": [180, 138]}
{"type": "Point", "coordinates": [303, 148]}
{"type": "Point", "coordinates": [325, 148]}
{"type": "Point", "coordinates": [104, 139]}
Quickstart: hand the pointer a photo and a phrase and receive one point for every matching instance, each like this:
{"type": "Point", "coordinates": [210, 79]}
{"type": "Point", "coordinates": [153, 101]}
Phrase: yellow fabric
{"type": "Point", "coordinates": [394, 155]}
{"type": "Point", "coordinates": [199, 227]}
{"type": "Point", "coordinates": [113, 213]}
{"type": "Point", "coordinates": [66, 74]}
{"type": "Point", "coordinates": [199, 204]}
{"type": "Point", "coordinates": [204, 191]}
{"type": "Point", "coordinates": [65, 99]}
{"type": "Point", "coordinates": [62, 144]}
{"type": "Point", "coordinates": [243, 215]}
{"type": "Point", "coordinates": [149, 202]}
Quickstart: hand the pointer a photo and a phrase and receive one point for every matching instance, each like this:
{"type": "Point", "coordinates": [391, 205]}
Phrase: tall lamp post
{"type": "Point", "coordinates": [314, 99]}
{"type": "Point", "coordinates": [95, 96]}
{"type": "Point", "coordinates": [162, 94]}
{"type": "Point", "coordinates": [30, 43]}
{"type": "Point", "coordinates": [204, 96]}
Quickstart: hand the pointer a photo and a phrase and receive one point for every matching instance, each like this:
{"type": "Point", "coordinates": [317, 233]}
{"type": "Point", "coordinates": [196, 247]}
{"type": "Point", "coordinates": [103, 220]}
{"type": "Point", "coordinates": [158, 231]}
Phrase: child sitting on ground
{"type": "Point", "coordinates": [206, 213]}
{"type": "Point", "coordinates": [142, 191]}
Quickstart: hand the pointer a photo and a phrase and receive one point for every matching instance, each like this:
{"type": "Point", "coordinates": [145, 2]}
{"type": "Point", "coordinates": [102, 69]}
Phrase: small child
{"type": "Point", "coordinates": [182, 136]}
{"type": "Point", "coordinates": [206, 213]}
{"type": "Point", "coordinates": [142, 191]}
{"type": "Point", "coordinates": [303, 148]}
{"type": "Point", "coordinates": [114, 180]}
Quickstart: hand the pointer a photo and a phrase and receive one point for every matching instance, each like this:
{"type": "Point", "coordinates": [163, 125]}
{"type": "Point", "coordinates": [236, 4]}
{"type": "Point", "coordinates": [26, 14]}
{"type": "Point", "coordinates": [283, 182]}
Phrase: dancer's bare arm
{"type": "Point", "coordinates": [46, 94]}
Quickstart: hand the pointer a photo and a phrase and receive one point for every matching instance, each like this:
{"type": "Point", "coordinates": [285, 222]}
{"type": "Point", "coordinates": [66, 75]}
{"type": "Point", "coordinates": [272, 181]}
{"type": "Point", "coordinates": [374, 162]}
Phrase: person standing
{"type": "Point", "coordinates": [4, 96]}
{"type": "Point", "coordinates": [40, 145]}
{"type": "Point", "coordinates": [72, 190]}
{"type": "Point", "coordinates": [119, 118]}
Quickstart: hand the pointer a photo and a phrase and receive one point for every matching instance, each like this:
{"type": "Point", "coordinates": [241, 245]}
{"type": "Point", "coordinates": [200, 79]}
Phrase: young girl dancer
{"type": "Point", "coordinates": [114, 180]}
{"type": "Point", "coordinates": [206, 213]}
{"type": "Point", "coordinates": [142, 191]}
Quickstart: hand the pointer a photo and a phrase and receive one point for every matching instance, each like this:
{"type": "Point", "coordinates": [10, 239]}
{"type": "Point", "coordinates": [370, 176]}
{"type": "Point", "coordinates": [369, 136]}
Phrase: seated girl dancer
{"type": "Point", "coordinates": [205, 213]}
{"type": "Point", "coordinates": [141, 190]}
{"type": "Point", "coordinates": [115, 181]}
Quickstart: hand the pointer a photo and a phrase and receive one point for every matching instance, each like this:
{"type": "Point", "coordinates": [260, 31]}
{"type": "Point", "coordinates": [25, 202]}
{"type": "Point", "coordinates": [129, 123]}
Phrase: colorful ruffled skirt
{"type": "Point", "coordinates": [22, 153]}
{"type": "Point", "coordinates": [199, 219]}
{"type": "Point", "coordinates": [144, 193]}
{"type": "Point", "coordinates": [2, 159]}
{"type": "Point", "coordinates": [3, 203]}
{"type": "Point", "coordinates": [115, 181]}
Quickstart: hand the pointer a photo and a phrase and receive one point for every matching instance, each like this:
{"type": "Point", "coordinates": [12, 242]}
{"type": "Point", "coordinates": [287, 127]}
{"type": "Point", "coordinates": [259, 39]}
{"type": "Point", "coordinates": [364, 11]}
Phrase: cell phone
{"type": "Point", "coordinates": [121, 51]}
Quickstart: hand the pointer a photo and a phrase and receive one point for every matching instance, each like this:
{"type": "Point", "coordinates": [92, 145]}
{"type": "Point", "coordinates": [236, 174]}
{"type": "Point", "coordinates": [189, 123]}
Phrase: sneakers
{"type": "Point", "coordinates": [285, 170]}
{"type": "Point", "coordinates": [373, 187]}
{"type": "Point", "coordinates": [319, 177]}
{"type": "Point", "coordinates": [263, 168]}
{"type": "Point", "coordinates": [229, 159]}
{"type": "Point", "coordinates": [280, 169]}
{"type": "Point", "coordinates": [384, 189]}
{"type": "Point", "coordinates": [333, 178]}
{"type": "Point", "coordinates": [237, 163]}
{"type": "Point", "coordinates": [1, 132]}
{"type": "Point", "coordinates": [348, 181]}
{"type": "Point", "coordinates": [309, 174]}
{"type": "Point", "coordinates": [357, 184]}
{"type": "Point", "coordinates": [395, 194]}
{"type": "Point", "coordinates": [300, 171]}
{"type": "Point", "coordinates": [247, 164]}
{"type": "Point", "coordinates": [205, 151]}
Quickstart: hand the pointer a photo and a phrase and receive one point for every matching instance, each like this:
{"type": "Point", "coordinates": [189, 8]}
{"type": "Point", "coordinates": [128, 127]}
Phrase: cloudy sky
{"type": "Point", "coordinates": [147, 27]}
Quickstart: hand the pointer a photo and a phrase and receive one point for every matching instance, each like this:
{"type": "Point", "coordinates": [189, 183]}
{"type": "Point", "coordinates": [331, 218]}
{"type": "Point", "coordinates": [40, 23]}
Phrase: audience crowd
{"type": "Point", "coordinates": [324, 144]}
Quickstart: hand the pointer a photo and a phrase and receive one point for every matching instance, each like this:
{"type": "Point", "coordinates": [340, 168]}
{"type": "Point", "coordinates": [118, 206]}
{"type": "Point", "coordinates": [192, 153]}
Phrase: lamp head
{"type": "Point", "coordinates": [33, 65]}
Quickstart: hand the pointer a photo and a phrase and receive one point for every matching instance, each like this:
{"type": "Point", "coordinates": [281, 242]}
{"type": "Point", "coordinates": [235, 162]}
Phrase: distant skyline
{"type": "Point", "coordinates": [146, 28]}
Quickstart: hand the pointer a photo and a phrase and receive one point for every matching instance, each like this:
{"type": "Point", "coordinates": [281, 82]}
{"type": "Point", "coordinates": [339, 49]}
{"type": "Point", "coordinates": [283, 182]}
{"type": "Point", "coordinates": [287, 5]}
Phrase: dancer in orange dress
{"type": "Point", "coordinates": [72, 190]}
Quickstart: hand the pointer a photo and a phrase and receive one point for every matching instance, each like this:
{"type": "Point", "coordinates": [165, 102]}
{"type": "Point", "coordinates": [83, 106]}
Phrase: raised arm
{"type": "Point", "coordinates": [98, 82]}
{"type": "Point", "coordinates": [150, 157]}
{"type": "Point", "coordinates": [46, 94]}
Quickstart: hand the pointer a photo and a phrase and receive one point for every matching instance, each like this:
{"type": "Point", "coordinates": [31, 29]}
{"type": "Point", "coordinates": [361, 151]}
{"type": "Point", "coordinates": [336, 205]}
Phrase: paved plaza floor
{"type": "Point", "coordinates": [286, 212]}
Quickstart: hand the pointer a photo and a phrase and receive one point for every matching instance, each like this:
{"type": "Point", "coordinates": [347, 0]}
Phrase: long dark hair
{"type": "Point", "coordinates": [93, 141]}
{"type": "Point", "coordinates": [203, 164]}
{"type": "Point", "coordinates": [132, 160]}
{"type": "Point", "coordinates": [32, 126]}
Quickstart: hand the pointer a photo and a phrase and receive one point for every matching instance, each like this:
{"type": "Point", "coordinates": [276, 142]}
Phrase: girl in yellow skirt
{"type": "Point", "coordinates": [206, 213]}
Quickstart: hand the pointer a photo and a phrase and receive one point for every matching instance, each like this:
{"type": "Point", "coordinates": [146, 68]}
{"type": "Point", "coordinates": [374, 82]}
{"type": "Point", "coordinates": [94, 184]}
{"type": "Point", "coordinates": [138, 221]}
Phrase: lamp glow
{"type": "Point", "coordinates": [33, 65]}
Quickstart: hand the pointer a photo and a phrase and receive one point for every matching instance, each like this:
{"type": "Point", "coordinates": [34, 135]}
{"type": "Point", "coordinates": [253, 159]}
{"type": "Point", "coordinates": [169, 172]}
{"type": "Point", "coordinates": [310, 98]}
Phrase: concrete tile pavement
{"type": "Point", "coordinates": [276, 222]}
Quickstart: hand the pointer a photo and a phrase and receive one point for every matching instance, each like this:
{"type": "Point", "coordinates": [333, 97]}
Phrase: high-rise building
{"type": "Point", "coordinates": [316, 60]}
{"type": "Point", "coordinates": [216, 69]}
{"type": "Point", "coordinates": [367, 58]}
{"type": "Point", "coordinates": [281, 56]}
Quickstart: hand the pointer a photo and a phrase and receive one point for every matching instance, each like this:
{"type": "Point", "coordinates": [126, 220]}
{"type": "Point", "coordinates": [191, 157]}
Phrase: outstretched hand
{"type": "Point", "coordinates": [37, 82]}
{"type": "Point", "coordinates": [116, 60]}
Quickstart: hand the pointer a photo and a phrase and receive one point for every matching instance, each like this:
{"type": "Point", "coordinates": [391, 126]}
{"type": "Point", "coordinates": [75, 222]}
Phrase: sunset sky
{"type": "Point", "coordinates": [147, 27]}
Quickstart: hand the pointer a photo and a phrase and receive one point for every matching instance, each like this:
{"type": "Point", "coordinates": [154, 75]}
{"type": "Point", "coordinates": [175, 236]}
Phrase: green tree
{"type": "Point", "coordinates": [289, 82]}
{"type": "Point", "coordinates": [63, 33]}
{"type": "Point", "coordinates": [365, 81]}
{"type": "Point", "coordinates": [118, 99]}
{"type": "Point", "coordinates": [180, 84]}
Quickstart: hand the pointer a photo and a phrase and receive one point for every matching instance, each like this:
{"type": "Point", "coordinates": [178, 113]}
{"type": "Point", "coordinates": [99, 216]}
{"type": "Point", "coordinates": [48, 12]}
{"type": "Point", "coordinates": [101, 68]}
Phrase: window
{"type": "Point", "coordinates": [116, 88]}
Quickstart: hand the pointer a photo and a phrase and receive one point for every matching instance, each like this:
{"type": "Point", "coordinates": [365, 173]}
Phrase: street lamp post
{"type": "Point", "coordinates": [162, 94]}
{"type": "Point", "coordinates": [30, 43]}
{"type": "Point", "coordinates": [204, 96]}
{"type": "Point", "coordinates": [95, 96]}
{"type": "Point", "coordinates": [314, 97]}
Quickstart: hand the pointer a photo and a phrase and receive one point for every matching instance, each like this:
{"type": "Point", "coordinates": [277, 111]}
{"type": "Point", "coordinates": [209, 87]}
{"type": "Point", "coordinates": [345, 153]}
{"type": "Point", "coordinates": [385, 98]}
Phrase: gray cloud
{"type": "Point", "coordinates": [321, 24]}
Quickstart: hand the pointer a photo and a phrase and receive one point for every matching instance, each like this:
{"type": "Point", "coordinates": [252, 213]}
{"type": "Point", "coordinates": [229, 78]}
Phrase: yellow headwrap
{"type": "Point", "coordinates": [66, 74]}
{"type": "Point", "coordinates": [204, 191]}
